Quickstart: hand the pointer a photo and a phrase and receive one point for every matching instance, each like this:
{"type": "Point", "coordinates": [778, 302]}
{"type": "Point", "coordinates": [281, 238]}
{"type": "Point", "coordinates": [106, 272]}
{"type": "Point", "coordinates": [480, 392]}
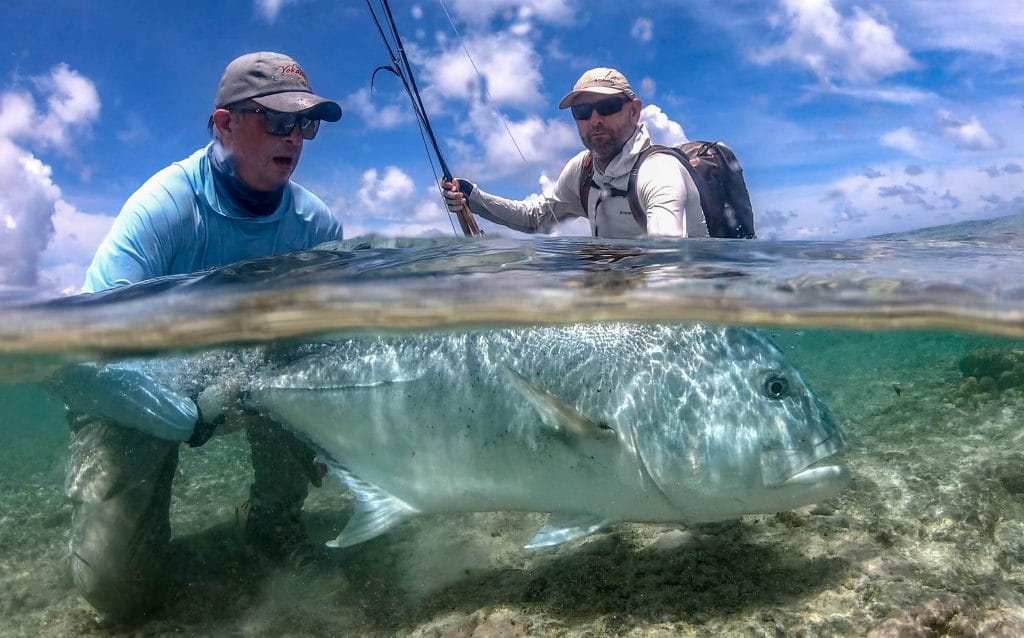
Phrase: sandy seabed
{"type": "Point", "coordinates": [928, 540]}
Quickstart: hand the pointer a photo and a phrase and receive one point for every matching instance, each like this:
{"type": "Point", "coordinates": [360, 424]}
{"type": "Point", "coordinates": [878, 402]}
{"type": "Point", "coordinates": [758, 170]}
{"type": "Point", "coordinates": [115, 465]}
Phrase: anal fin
{"type": "Point", "coordinates": [376, 511]}
{"type": "Point", "coordinates": [562, 529]}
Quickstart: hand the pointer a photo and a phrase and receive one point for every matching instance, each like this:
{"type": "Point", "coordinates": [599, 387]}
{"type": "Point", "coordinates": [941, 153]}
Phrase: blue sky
{"type": "Point", "coordinates": [850, 118]}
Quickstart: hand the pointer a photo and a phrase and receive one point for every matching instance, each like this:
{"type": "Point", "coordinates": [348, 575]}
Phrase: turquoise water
{"type": "Point", "coordinates": [930, 535]}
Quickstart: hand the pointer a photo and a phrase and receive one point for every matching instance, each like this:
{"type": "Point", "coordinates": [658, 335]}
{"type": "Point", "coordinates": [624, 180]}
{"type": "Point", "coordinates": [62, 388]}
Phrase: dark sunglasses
{"type": "Point", "coordinates": [278, 123]}
{"type": "Point", "coordinates": [605, 107]}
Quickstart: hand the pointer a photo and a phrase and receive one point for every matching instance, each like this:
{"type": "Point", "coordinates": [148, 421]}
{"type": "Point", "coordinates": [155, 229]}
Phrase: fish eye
{"type": "Point", "coordinates": [775, 385]}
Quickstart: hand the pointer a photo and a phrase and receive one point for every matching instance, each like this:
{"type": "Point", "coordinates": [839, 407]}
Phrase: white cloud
{"type": "Point", "coordinates": [993, 27]}
{"type": "Point", "coordinates": [509, 65]}
{"type": "Point", "coordinates": [386, 195]}
{"type": "Point", "coordinates": [970, 134]}
{"type": "Point", "coordinates": [29, 198]}
{"type": "Point", "coordinates": [416, 11]}
{"type": "Point", "coordinates": [545, 144]}
{"type": "Point", "coordinates": [69, 253]}
{"type": "Point", "coordinates": [483, 11]}
{"type": "Point", "coordinates": [892, 199]}
{"type": "Point", "coordinates": [377, 111]}
{"type": "Point", "coordinates": [859, 48]}
{"type": "Point", "coordinates": [26, 207]}
{"type": "Point", "coordinates": [662, 129]}
{"type": "Point", "coordinates": [269, 10]}
{"type": "Point", "coordinates": [409, 215]}
{"type": "Point", "coordinates": [648, 87]}
{"type": "Point", "coordinates": [890, 94]}
{"type": "Point", "coordinates": [643, 30]}
{"type": "Point", "coordinates": [17, 111]}
{"type": "Point", "coordinates": [902, 139]}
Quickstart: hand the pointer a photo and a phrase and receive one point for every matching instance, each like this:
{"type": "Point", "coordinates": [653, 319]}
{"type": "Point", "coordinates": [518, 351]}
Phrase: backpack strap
{"type": "Point", "coordinates": [586, 180]}
{"type": "Point", "coordinates": [634, 200]}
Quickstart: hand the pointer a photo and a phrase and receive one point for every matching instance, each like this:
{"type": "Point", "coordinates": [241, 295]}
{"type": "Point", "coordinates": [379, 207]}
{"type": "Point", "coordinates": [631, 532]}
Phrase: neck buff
{"type": "Point", "coordinates": [256, 203]}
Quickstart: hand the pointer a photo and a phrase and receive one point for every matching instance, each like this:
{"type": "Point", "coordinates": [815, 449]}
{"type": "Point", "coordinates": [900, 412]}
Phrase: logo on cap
{"type": "Point", "coordinates": [295, 70]}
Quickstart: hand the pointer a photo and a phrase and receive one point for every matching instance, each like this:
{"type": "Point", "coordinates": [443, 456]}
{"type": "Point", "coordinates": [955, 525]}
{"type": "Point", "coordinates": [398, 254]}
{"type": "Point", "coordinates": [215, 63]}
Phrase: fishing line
{"type": "Point", "coordinates": [483, 82]}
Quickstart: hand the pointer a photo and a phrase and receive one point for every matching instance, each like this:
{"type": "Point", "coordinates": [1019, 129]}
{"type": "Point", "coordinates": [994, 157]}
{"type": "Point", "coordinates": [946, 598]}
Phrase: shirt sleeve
{"type": "Point", "coordinates": [670, 198]}
{"type": "Point", "coordinates": [538, 214]}
{"type": "Point", "coordinates": [140, 244]}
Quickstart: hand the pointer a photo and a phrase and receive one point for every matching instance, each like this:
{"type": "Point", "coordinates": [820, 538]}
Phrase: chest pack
{"type": "Point", "coordinates": [717, 174]}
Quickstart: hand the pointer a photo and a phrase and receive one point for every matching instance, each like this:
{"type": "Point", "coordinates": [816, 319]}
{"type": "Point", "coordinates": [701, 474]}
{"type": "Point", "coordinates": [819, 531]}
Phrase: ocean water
{"type": "Point", "coordinates": [916, 343]}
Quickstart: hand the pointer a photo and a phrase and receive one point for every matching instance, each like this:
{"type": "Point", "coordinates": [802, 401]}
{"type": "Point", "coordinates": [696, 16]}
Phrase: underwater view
{"type": "Point", "coordinates": [558, 437]}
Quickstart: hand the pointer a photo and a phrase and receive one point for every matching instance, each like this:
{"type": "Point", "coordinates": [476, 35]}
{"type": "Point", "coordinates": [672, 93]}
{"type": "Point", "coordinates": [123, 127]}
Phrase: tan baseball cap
{"type": "Point", "coordinates": [275, 81]}
{"type": "Point", "coordinates": [603, 81]}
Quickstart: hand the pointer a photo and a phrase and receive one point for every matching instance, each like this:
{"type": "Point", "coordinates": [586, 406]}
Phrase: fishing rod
{"type": "Point", "coordinates": [403, 70]}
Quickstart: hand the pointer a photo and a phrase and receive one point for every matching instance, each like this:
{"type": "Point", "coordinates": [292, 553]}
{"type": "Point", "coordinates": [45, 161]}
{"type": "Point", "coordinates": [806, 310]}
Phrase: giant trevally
{"type": "Point", "coordinates": [595, 424]}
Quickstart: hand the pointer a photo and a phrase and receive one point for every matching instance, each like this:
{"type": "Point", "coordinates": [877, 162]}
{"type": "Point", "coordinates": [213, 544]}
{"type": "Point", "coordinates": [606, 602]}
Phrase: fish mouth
{"type": "Point", "coordinates": [805, 467]}
{"type": "Point", "coordinates": [817, 473]}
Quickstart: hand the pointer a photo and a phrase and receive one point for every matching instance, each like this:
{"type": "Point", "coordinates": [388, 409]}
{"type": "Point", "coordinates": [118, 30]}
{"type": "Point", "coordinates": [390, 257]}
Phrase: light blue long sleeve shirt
{"type": "Point", "coordinates": [179, 222]}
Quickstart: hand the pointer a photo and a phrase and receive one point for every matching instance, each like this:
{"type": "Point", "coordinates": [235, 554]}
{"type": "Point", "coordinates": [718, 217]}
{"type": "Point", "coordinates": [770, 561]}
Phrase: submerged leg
{"type": "Point", "coordinates": [119, 481]}
{"type": "Point", "coordinates": [283, 468]}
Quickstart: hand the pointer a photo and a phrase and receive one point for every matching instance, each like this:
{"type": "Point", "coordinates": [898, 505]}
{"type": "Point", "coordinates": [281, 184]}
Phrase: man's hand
{"type": "Point", "coordinates": [220, 410]}
{"type": "Point", "coordinates": [456, 191]}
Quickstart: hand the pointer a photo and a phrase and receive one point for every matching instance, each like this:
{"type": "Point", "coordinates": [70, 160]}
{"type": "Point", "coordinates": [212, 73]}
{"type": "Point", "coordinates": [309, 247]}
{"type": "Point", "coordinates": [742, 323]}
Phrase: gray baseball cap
{"type": "Point", "coordinates": [275, 81]}
{"type": "Point", "coordinates": [603, 81]}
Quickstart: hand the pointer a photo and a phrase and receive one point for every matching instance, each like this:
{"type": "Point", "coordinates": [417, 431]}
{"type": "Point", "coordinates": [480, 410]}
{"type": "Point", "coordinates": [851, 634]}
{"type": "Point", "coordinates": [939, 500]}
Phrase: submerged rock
{"type": "Point", "coordinates": [988, 372]}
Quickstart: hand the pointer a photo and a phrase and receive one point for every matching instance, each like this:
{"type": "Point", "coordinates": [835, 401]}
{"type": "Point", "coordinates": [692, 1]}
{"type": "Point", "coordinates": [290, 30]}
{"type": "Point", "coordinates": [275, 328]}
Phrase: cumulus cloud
{"type": "Point", "coordinates": [858, 48]}
{"type": "Point", "coordinates": [379, 110]}
{"type": "Point", "coordinates": [662, 129]}
{"type": "Point", "coordinates": [643, 30]}
{"type": "Point", "coordinates": [30, 198]}
{"type": "Point", "coordinates": [544, 144]}
{"type": "Point", "coordinates": [508, 63]}
{"type": "Point", "coordinates": [902, 139]}
{"type": "Point", "coordinates": [969, 134]}
{"type": "Point", "coordinates": [387, 193]}
{"type": "Point", "coordinates": [407, 212]}
{"type": "Point", "coordinates": [69, 253]}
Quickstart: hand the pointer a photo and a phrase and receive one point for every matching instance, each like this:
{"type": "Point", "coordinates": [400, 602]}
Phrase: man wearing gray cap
{"type": "Point", "coordinates": [607, 115]}
{"type": "Point", "coordinates": [231, 200]}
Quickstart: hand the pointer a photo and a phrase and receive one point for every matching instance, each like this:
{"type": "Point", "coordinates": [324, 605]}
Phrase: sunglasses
{"type": "Point", "coordinates": [278, 123]}
{"type": "Point", "coordinates": [605, 107]}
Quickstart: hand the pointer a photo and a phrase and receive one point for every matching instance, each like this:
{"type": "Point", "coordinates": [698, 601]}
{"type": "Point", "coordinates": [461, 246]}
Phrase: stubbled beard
{"type": "Point", "coordinates": [606, 149]}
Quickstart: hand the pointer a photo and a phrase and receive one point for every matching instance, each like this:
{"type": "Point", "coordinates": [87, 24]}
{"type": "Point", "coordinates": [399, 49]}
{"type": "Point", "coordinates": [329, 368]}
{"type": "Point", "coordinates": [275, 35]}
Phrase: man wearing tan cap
{"type": "Point", "coordinates": [229, 201]}
{"type": "Point", "coordinates": [607, 115]}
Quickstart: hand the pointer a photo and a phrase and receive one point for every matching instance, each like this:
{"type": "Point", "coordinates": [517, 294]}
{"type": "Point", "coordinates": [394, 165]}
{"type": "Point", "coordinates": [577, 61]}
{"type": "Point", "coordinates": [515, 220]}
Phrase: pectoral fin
{"type": "Point", "coordinates": [562, 529]}
{"type": "Point", "coordinates": [376, 510]}
{"type": "Point", "coordinates": [556, 413]}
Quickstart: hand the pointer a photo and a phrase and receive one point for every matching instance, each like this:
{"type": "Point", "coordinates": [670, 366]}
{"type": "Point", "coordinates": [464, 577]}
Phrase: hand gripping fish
{"type": "Point", "coordinates": [595, 424]}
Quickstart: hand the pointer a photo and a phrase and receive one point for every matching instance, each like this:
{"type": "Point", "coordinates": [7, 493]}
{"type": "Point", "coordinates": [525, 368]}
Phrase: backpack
{"type": "Point", "coordinates": [719, 179]}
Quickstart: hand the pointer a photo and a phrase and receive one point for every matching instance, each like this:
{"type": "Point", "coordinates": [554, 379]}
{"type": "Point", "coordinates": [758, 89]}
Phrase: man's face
{"type": "Point", "coordinates": [264, 162]}
{"type": "Point", "coordinates": [605, 135]}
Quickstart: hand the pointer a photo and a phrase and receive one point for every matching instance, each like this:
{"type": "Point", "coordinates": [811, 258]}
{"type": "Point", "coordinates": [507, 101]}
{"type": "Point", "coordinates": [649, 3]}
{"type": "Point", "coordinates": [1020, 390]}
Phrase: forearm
{"type": "Point", "coordinates": [535, 215]}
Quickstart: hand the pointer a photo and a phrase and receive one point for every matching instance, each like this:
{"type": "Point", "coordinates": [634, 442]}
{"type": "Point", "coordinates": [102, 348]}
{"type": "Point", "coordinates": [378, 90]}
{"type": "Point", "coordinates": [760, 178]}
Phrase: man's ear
{"type": "Point", "coordinates": [223, 121]}
{"type": "Point", "coordinates": [637, 106]}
